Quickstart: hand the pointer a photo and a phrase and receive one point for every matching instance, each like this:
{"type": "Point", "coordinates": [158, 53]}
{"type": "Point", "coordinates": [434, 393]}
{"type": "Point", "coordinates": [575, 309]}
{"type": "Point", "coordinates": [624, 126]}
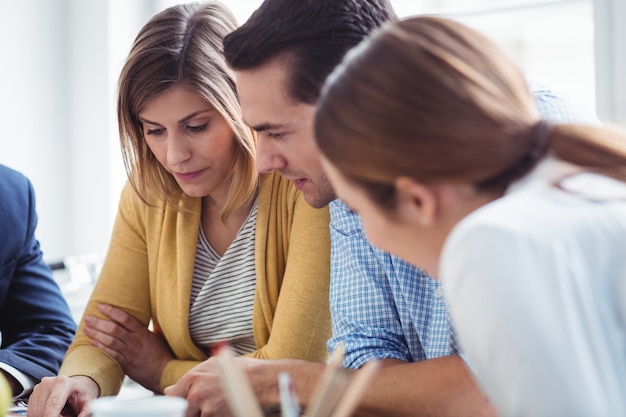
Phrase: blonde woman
{"type": "Point", "coordinates": [447, 161]}
{"type": "Point", "coordinates": [204, 248]}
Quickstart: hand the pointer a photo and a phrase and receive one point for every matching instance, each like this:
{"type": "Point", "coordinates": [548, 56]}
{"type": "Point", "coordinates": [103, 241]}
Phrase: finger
{"type": "Point", "coordinates": [126, 320]}
{"type": "Point", "coordinates": [84, 412]}
{"type": "Point", "coordinates": [118, 355]}
{"type": "Point", "coordinates": [177, 390]}
{"type": "Point", "coordinates": [117, 342]}
{"type": "Point", "coordinates": [111, 352]}
{"type": "Point", "coordinates": [57, 398]}
{"type": "Point", "coordinates": [108, 327]}
{"type": "Point", "coordinates": [115, 347]}
{"type": "Point", "coordinates": [192, 411]}
{"type": "Point", "coordinates": [68, 411]}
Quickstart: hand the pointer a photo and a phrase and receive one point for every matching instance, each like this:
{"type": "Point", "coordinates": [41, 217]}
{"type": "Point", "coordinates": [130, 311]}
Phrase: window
{"type": "Point", "coordinates": [551, 41]}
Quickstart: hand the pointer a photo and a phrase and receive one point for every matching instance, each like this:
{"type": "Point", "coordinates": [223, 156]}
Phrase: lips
{"type": "Point", "coordinates": [299, 183]}
{"type": "Point", "coordinates": [186, 176]}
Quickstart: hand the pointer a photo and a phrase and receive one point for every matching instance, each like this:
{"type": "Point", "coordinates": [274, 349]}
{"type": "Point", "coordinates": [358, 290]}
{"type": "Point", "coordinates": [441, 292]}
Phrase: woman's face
{"type": "Point", "coordinates": [190, 139]}
{"type": "Point", "coordinates": [394, 231]}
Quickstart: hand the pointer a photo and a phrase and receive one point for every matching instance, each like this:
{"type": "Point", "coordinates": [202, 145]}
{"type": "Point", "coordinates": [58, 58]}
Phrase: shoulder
{"type": "Point", "coordinates": [136, 211]}
{"type": "Point", "coordinates": [133, 210]}
{"type": "Point", "coordinates": [17, 211]}
{"type": "Point", "coordinates": [345, 221]}
{"type": "Point", "coordinates": [17, 197]}
{"type": "Point", "coordinates": [13, 182]}
{"type": "Point", "coordinates": [510, 233]}
{"type": "Point", "coordinates": [558, 107]}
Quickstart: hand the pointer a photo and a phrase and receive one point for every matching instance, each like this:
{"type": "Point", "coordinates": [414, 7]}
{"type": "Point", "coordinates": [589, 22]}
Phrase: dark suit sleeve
{"type": "Point", "coordinates": [36, 323]}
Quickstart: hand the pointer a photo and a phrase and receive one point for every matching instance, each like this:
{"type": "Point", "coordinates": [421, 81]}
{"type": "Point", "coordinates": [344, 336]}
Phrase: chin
{"type": "Point", "coordinates": [193, 192]}
{"type": "Point", "coordinates": [315, 201]}
{"type": "Point", "coordinates": [318, 199]}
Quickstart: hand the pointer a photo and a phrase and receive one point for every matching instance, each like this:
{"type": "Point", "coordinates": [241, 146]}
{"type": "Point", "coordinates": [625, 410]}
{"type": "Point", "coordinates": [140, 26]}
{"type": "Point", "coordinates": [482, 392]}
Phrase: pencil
{"type": "Point", "coordinates": [238, 390]}
{"type": "Point", "coordinates": [355, 390]}
{"type": "Point", "coordinates": [331, 385]}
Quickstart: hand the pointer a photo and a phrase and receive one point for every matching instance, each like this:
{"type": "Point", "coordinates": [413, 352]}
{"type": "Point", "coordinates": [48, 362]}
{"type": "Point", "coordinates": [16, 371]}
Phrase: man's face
{"type": "Point", "coordinates": [285, 141]}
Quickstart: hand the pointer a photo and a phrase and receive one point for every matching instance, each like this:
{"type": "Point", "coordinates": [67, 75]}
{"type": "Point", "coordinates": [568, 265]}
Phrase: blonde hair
{"type": "Point", "coordinates": [182, 45]}
{"type": "Point", "coordinates": [434, 100]}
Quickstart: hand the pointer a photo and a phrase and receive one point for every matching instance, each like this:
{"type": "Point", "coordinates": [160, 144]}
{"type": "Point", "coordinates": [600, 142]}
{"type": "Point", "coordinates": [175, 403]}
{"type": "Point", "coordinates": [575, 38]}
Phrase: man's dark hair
{"type": "Point", "coordinates": [313, 34]}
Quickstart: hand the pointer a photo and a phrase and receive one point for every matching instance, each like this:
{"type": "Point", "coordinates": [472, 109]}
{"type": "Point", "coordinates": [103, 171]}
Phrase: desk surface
{"type": "Point", "coordinates": [130, 389]}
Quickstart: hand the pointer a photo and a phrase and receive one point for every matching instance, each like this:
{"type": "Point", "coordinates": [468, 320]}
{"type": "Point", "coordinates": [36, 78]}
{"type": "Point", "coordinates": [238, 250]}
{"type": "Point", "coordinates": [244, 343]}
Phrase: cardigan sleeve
{"type": "Point", "coordinates": [123, 283]}
{"type": "Point", "coordinates": [292, 289]}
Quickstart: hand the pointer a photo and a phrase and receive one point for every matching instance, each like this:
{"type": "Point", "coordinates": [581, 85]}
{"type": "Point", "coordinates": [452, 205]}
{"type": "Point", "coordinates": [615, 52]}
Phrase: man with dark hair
{"type": "Point", "coordinates": [382, 308]}
{"type": "Point", "coordinates": [314, 35]}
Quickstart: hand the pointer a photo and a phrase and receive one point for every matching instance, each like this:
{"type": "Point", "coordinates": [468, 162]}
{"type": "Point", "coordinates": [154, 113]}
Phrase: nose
{"type": "Point", "coordinates": [178, 150]}
{"type": "Point", "coordinates": [267, 157]}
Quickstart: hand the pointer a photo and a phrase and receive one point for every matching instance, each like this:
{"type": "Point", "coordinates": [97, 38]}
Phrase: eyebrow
{"type": "Point", "coordinates": [267, 126]}
{"type": "Point", "coordinates": [183, 120]}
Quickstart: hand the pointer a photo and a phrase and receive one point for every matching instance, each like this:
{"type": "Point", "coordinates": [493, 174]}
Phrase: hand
{"type": "Point", "coordinates": [62, 396]}
{"type": "Point", "coordinates": [142, 354]}
{"type": "Point", "coordinates": [202, 389]}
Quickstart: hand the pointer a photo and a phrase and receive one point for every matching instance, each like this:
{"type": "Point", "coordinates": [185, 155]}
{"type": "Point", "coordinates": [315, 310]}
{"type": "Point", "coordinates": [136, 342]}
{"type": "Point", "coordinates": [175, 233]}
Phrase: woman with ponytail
{"type": "Point", "coordinates": [428, 131]}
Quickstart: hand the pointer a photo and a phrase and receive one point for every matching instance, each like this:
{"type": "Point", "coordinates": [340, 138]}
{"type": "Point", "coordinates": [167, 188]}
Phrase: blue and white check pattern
{"type": "Point", "coordinates": [559, 108]}
{"type": "Point", "coordinates": [383, 307]}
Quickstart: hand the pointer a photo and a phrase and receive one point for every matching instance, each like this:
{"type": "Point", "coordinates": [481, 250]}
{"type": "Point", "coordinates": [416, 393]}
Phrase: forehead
{"type": "Point", "coordinates": [263, 91]}
{"type": "Point", "coordinates": [174, 99]}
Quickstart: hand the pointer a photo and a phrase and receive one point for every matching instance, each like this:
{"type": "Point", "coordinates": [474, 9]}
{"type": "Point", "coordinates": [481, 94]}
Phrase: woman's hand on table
{"type": "Point", "coordinates": [201, 387]}
{"type": "Point", "coordinates": [141, 353]}
{"type": "Point", "coordinates": [62, 396]}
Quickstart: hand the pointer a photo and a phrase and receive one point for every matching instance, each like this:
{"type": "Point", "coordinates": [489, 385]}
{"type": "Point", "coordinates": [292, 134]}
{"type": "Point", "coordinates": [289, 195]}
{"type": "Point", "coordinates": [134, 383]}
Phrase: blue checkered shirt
{"type": "Point", "coordinates": [383, 307]}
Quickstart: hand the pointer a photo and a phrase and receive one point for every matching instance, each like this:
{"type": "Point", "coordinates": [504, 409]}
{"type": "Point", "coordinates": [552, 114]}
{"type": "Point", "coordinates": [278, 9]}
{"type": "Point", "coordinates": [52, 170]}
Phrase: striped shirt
{"type": "Point", "coordinates": [222, 292]}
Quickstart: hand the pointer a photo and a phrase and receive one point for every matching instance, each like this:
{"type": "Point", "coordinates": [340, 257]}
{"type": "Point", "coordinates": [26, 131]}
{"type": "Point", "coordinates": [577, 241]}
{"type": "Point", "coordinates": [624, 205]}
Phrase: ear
{"type": "Point", "coordinates": [416, 201]}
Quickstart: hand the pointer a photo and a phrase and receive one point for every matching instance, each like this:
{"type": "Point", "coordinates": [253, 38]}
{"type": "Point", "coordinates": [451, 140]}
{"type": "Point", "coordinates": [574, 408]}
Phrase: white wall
{"type": "Point", "coordinates": [610, 37]}
{"type": "Point", "coordinates": [34, 106]}
{"type": "Point", "coordinates": [59, 65]}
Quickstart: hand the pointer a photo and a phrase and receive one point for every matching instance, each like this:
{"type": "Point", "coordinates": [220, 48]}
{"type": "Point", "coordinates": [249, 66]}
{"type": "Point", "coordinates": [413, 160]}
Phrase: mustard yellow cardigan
{"type": "Point", "coordinates": [148, 272]}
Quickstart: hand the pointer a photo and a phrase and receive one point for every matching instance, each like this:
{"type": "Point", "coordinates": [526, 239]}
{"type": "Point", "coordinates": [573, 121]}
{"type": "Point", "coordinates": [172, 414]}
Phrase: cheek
{"type": "Point", "coordinates": [158, 149]}
{"type": "Point", "coordinates": [222, 141]}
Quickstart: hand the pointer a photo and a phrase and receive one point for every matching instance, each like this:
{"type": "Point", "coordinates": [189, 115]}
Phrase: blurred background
{"type": "Point", "coordinates": [61, 60]}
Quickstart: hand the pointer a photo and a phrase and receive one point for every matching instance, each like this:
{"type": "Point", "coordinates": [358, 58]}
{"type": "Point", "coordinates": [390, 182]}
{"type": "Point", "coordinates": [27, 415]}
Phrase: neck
{"type": "Point", "coordinates": [221, 232]}
{"type": "Point", "coordinates": [459, 201]}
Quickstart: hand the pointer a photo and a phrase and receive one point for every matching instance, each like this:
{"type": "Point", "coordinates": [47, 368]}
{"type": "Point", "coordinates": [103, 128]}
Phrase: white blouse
{"type": "Point", "coordinates": [536, 286]}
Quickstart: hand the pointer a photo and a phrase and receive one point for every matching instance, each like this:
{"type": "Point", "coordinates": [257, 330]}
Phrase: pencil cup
{"type": "Point", "coordinates": [156, 406]}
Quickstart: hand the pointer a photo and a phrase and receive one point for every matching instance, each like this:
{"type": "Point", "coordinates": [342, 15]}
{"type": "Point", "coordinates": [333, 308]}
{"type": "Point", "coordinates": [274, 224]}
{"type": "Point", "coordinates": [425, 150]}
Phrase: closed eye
{"type": "Point", "coordinates": [155, 132]}
{"type": "Point", "coordinates": [274, 135]}
{"type": "Point", "coordinates": [198, 129]}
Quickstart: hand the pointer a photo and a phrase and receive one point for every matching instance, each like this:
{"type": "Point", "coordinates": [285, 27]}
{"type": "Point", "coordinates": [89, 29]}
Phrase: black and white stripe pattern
{"type": "Point", "coordinates": [222, 293]}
